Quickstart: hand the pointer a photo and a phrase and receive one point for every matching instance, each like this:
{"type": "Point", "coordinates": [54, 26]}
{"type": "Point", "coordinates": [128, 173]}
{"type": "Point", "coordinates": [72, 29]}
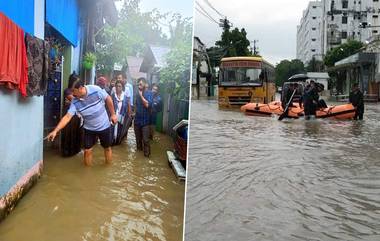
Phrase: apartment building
{"type": "Point", "coordinates": [348, 19]}
{"type": "Point", "coordinates": [309, 42]}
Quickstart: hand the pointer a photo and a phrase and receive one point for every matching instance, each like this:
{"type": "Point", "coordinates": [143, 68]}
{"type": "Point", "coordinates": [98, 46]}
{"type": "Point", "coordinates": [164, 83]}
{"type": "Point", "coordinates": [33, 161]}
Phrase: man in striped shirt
{"type": "Point", "coordinates": [90, 102]}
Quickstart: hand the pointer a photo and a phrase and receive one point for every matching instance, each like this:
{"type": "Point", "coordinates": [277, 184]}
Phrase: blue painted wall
{"type": "Point", "coordinates": [21, 119]}
{"type": "Point", "coordinates": [21, 12]}
{"type": "Point", "coordinates": [21, 133]}
{"type": "Point", "coordinates": [63, 15]}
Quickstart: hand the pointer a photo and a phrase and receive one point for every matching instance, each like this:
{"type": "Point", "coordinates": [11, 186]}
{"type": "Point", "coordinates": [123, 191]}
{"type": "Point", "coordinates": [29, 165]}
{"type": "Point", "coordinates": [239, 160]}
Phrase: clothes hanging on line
{"type": "Point", "coordinates": [13, 60]}
{"type": "Point", "coordinates": [37, 51]}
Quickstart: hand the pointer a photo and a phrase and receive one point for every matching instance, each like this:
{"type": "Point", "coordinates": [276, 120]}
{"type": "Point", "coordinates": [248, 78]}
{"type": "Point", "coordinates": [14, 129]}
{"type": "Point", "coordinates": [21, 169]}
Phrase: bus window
{"type": "Point", "coordinates": [241, 76]}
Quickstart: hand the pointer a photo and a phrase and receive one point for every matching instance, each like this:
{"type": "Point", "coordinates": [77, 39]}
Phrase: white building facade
{"type": "Point", "coordinates": [343, 20]}
{"type": "Point", "coordinates": [326, 24]}
{"type": "Point", "coordinates": [309, 42]}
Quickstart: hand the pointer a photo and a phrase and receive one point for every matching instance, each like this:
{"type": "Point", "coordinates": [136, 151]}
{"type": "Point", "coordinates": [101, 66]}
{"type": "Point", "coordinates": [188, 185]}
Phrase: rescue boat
{"type": "Point", "coordinates": [345, 111]}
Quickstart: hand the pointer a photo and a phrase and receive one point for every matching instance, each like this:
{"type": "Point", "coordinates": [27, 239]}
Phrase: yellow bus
{"type": "Point", "coordinates": [245, 79]}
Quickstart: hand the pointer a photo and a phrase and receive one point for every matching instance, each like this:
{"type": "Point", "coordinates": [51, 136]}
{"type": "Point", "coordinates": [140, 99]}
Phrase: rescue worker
{"type": "Point", "coordinates": [357, 100]}
{"type": "Point", "coordinates": [287, 95]}
{"type": "Point", "coordinates": [309, 100]}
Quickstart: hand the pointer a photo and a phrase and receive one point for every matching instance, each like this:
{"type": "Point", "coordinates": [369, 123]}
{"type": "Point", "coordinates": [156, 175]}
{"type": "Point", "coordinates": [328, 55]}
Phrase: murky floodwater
{"type": "Point", "coordinates": [133, 199]}
{"type": "Point", "coordinates": [256, 178]}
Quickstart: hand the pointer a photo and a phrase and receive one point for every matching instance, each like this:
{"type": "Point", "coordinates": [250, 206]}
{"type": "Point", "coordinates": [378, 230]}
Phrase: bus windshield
{"type": "Point", "coordinates": [241, 77]}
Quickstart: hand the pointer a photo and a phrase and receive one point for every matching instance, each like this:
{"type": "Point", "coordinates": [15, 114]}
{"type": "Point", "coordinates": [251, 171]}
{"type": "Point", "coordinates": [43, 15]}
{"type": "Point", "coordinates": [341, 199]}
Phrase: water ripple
{"type": "Point", "coordinates": [253, 178]}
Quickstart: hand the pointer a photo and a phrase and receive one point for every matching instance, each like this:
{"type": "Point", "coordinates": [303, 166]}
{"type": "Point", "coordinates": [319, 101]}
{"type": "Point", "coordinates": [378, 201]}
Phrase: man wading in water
{"type": "Point", "coordinates": [90, 101]}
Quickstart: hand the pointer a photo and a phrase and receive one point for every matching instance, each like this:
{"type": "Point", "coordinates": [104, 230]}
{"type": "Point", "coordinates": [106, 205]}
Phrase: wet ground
{"type": "Point", "coordinates": [135, 198]}
{"type": "Point", "coordinates": [256, 178]}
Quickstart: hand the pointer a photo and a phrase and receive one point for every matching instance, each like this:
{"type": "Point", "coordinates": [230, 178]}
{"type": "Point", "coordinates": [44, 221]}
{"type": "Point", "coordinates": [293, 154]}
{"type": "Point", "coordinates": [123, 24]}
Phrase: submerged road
{"type": "Point", "coordinates": [256, 178]}
{"type": "Point", "coordinates": [135, 198]}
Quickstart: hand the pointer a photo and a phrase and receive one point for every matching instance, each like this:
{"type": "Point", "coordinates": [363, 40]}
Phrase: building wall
{"type": "Point", "coordinates": [21, 122]}
{"type": "Point", "coordinates": [336, 30]}
{"type": "Point", "coordinates": [308, 33]}
{"type": "Point", "coordinates": [21, 128]}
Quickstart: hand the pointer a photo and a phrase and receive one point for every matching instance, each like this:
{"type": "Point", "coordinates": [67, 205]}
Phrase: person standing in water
{"type": "Point", "coordinates": [356, 98]}
{"type": "Point", "coordinates": [90, 101]}
{"type": "Point", "coordinates": [143, 105]}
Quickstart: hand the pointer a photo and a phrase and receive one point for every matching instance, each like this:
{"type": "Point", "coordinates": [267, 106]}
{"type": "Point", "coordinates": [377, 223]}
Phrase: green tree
{"type": "Point", "coordinates": [130, 36]}
{"type": "Point", "coordinates": [287, 68]}
{"type": "Point", "coordinates": [176, 73]}
{"type": "Point", "coordinates": [233, 43]}
{"type": "Point", "coordinates": [341, 52]}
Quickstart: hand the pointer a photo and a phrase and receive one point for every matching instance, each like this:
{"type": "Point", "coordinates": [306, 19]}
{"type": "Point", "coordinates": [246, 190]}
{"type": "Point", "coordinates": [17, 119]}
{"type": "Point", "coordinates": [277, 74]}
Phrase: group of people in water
{"type": "Point", "coordinates": [309, 99]}
{"type": "Point", "coordinates": [106, 111]}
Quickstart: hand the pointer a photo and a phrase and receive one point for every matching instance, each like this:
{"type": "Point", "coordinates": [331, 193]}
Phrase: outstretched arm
{"type": "Point", "coordinates": [62, 123]}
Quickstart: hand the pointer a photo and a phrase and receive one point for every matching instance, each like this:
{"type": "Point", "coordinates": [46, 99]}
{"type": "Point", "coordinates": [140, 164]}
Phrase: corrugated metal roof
{"type": "Point", "coordinates": [134, 64]}
{"type": "Point", "coordinates": [159, 54]}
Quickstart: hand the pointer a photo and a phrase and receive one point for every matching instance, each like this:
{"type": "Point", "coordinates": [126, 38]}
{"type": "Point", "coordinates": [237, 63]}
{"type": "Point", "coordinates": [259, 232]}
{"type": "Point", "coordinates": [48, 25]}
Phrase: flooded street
{"type": "Point", "coordinates": [256, 178]}
{"type": "Point", "coordinates": [135, 198]}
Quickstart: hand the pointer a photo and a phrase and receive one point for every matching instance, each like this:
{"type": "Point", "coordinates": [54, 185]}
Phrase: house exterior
{"type": "Point", "coordinates": [362, 68]}
{"type": "Point", "coordinates": [154, 60]}
{"type": "Point", "coordinates": [201, 85]}
{"type": "Point", "coordinates": [133, 68]}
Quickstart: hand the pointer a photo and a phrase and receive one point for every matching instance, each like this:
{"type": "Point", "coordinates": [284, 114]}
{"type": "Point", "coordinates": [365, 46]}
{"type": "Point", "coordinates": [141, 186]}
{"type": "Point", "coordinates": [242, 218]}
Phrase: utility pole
{"type": "Point", "coordinates": [225, 23]}
{"type": "Point", "coordinates": [255, 48]}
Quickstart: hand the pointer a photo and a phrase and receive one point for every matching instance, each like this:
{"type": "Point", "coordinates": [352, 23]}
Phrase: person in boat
{"type": "Point", "coordinates": [309, 100]}
{"type": "Point", "coordinates": [319, 88]}
{"type": "Point", "coordinates": [121, 103]}
{"type": "Point", "coordinates": [356, 98]}
{"type": "Point", "coordinates": [287, 95]}
{"type": "Point", "coordinates": [91, 102]}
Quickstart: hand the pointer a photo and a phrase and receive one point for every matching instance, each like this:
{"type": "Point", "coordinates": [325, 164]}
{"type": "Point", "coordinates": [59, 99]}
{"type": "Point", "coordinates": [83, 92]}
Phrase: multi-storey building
{"type": "Point", "coordinates": [309, 33]}
{"type": "Point", "coordinates": [348, 19]}
{"type": "Point", "coordinates": [326, 24]}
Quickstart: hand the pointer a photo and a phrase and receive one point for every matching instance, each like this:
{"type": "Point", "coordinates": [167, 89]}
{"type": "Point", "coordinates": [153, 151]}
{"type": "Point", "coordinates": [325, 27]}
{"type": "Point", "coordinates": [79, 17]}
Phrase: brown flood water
{"type": "Point", "coordinates": [135, 198]}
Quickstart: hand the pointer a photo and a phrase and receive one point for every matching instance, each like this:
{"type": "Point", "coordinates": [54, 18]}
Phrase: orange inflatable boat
{"type": "Point", "coordinates": [345, 111]}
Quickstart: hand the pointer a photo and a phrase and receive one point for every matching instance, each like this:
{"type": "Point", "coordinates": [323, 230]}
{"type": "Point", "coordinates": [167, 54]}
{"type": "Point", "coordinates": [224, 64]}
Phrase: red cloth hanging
{"type": "Point", "coordinates": [13, 59]}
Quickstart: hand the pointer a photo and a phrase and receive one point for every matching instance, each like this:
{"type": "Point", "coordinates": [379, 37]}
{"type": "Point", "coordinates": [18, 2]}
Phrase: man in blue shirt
{"type": "Point", "coordinates": [89, 102]}
{"type": "Point", "coordinates": [143, 105]}
{"type": "Point", "coordinates": [156, 107]}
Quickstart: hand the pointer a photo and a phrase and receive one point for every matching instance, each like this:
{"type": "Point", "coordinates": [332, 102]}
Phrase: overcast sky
{"type": "Point", "coordinates": [184, 7]}
{"type": "Point", "coordinates": [272, 22]}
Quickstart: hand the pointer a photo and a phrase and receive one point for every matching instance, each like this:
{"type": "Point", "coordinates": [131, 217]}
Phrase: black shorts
{"type": "Point", "coordinates": [90, 138]}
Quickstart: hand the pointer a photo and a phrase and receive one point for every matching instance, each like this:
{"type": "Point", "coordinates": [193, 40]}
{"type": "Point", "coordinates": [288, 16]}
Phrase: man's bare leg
{"type": "Point", "coordinates": [87, 157]}
{"type": "Point", "coordinates": [108, 155]}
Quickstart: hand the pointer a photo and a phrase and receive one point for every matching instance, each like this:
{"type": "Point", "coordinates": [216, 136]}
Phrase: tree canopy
{"type": "Point", "coordinates": [341, 52]}
{"type": "Point", "coordinates": [232, 43]}
{"type": "Point", "coordinates": [178, 60]}
{"type": "Point", "coordinates": [287, 68]}
{"type": "Point", "coordinates": [130, 36]}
